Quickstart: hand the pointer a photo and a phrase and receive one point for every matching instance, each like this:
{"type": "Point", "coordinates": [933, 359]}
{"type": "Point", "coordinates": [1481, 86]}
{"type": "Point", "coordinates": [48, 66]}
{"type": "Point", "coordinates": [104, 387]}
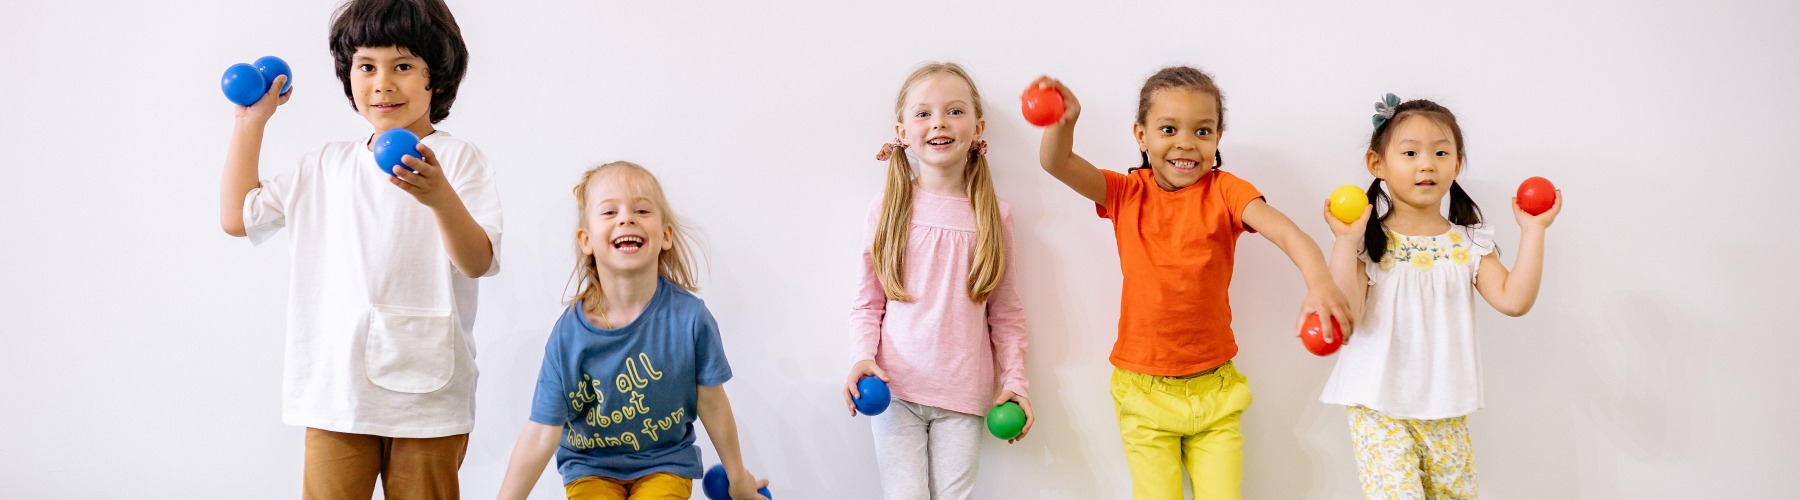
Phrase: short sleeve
{"type": "Point", "coordinates": [266, 206]}
{"type": "Point", "coordinates": [710, 366]}
{"type": "Point", "coordinates": [550, 403]}
{"type": "Point", "coordinates": [1238, 193]}
{"type": "Point", "coordinates": [1481, 239]}
{"type": "Point", "coordinates": [1117, 185]}
{"type": "Point", "coordinates": [474, 184]}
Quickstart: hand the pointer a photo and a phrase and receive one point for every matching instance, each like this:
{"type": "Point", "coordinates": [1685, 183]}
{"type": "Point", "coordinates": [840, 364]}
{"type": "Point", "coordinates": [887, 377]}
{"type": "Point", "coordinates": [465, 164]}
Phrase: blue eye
{"type": "Point", "coordinates": [921, 114]}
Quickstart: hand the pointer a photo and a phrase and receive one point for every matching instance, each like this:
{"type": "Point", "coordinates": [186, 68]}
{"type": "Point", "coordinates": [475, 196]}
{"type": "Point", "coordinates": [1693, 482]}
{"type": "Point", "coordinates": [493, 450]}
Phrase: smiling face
{"type": "Point", "coordinates": [940, 119]}
{"type": "Point", "coordinates": [1180, 135]}
{"type": "Point", "coordinates": [1419, 162]}
{"type": "Point", "coordinates": [390, 87]}
{"type": "Point", "coordinates": [623, 227]}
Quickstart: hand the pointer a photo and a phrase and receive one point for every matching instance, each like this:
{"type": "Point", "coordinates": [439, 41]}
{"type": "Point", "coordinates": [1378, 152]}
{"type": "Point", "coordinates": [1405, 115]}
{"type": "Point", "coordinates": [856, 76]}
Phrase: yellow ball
{"type": "Point", "coordinates": [1348, 202]}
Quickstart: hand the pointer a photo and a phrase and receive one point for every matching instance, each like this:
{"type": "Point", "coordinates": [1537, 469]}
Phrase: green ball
{"type": "Point", "coordinates": [1006, 421]}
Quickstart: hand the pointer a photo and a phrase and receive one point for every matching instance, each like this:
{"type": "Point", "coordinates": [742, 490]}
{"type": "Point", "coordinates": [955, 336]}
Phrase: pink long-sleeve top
{"type": "Point", "coordinates": [942, 349]}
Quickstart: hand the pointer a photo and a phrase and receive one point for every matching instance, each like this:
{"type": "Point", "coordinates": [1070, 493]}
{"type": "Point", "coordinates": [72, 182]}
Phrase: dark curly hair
{"type": "Point", "coordinates": [423, 27]}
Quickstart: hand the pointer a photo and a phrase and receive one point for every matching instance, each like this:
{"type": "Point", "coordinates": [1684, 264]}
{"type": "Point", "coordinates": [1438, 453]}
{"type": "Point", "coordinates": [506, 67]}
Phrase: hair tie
{"type": "Point", "coordinates": [980, 149]}
{"type": "Point", "coordinates": [887, 151]}
{"type": "Point", "coordinates": [1384, 109]}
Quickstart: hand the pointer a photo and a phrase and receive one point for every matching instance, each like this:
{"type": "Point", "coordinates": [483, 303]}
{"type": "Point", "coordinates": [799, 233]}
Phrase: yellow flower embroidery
{"type": "Point", "coordinates": [1421, 261]}
{"type": "Point", "coordinates": [1387, 263]}
{"type": "Point", "coordinates": [1460, 255]}
{"type": "Point", "coordinates": [1456, 237]}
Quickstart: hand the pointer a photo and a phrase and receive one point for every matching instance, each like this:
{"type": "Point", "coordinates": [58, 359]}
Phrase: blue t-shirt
{"type": "Point", "coordinates": [626, 398]}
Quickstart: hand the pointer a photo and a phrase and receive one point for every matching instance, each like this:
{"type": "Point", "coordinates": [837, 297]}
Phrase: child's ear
{"type": "Point", "coordinates": [668, 237]}
{"type": "Point", "coordinates": [581, 241]}
{"type": "Point", "coordinates": [980, 125]}
{"type": "Point", "coordinates": [1137, 130]}
{"type": "Point", "coordinates": [1374, 160]}
{"type": "Point", "coordinates": [899, 133]}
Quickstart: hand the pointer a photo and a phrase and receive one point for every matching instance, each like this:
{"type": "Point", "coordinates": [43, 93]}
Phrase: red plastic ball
{"type": "Point", "coordinates": [1536, 195]}
{"type": "Point", "coordinates": [1042, 106]}
{"type": "Point", "coordinates": [1312, 335]}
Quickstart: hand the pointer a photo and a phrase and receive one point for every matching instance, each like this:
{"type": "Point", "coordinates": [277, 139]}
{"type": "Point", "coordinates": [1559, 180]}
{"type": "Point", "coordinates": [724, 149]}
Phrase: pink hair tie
{"type": "Point", "coordinates": [887, 151]}
{"type": "Point", "coordinates": [980, 149]}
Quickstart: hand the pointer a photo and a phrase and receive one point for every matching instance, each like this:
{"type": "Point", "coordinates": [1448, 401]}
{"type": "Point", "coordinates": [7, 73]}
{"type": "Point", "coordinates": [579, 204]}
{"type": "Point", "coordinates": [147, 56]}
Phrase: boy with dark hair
{"type": "Point", "coordinates": [380, 359]}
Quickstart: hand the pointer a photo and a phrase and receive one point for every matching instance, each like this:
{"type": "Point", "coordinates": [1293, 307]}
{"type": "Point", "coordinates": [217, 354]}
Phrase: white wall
{"type": "Point", "coordinates": [143, 347]}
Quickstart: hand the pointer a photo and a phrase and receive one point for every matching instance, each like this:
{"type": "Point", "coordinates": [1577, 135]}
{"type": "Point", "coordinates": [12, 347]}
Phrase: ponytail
{"type": "Point", "coordinates": [1375, 239]}
{"type": "Point", "coordinates": [1463, 211]}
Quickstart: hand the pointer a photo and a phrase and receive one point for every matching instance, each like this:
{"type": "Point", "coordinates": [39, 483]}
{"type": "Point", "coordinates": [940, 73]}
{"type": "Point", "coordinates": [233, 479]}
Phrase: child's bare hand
{"type": "Point", "coordinates": [1327, 302]}
{"type": "Point", "coordinates": [1071, 105]}
{"type": "Point", "coordinates": [1024, 404]}
{"type": "Point", "coordinates": [1353, 231]}
{"type": "Point", "coordinates": [864, 368]}
{"type": "Point", "coordinates": [746, 490]}
{"type": "Point", "coordinates": [260, 112]}
{"type": "Point", "coordinates": [425, 179]}
{"type": "Point", "coordinates": [1539, 221]}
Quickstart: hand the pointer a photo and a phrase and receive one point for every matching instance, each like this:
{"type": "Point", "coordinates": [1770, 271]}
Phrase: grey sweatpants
{"type": "Point", "coordinates": [927, 453]}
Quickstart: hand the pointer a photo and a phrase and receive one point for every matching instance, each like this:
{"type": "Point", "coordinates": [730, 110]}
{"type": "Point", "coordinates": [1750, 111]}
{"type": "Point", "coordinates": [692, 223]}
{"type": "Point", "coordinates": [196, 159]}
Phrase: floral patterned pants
{"type": "Point", "coordinates": [1413, 459]}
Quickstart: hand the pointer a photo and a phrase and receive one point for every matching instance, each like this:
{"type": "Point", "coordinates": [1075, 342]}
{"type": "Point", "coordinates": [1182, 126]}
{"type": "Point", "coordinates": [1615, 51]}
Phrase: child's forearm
{"type": "Point", "coordinates": [531, 453]}
{"type": "Point", "coordinates": [240, 174]}
{"type": "Point", "coordinates": [721, 427]}
{"type": "Point", "coordinates": [464, 239]}
{"type": "Point", "coordinates": [1521, 286]}
{"type": "Point", "coordinates": [1346, 272]}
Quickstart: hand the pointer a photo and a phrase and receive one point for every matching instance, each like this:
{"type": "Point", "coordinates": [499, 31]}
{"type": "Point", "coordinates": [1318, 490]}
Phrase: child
{"type": "Point", "coordinates": [936, 310]}
{"type": "Point", "coordinates": [1176, 218]}
{"type": "Point", "coordinates": [633, 359]}
{"type": "Point", "coordinates": [1413, 375]}
{"type": "Point", "coordinates": [380, 364]}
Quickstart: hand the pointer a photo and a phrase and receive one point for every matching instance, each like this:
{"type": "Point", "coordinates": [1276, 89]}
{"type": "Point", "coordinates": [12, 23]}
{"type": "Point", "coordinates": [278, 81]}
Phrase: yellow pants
{"type": "Point", "coordinates": [658, 486]}
{"type": "Point", "coordinates": [1170, 424]}
{"type": "Point", "coordinates": [1402, 459]}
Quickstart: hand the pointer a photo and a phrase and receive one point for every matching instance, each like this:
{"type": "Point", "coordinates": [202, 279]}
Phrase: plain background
{"type": "Point", "coordinates": [143, 347]}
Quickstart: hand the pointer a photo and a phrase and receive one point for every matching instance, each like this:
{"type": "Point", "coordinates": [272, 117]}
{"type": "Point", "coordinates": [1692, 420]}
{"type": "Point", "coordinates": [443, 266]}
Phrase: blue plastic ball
{"type": "Point", "coordinates": [874, 398]}
{"type": "Point", "coordinates": [271, 67]}
{"type": "Point", "coordinates": [718, 487]}
{"type": "Point", "coordinates": [243, 84]}
{"type": "Point", "coordinates": [391, 145]}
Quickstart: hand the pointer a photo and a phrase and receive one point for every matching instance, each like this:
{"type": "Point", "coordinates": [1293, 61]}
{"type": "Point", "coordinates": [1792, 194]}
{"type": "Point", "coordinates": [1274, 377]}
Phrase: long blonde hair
{"type": "Point", "coordinates": [675, 264]}
{"type": "Point", "coordinates": [989, 259]}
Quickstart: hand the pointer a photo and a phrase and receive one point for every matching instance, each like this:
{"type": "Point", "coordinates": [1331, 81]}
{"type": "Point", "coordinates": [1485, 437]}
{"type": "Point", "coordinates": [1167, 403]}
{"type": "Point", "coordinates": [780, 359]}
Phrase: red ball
{"type": "Point", "coordinates": [1042, 106]}
{"type": "Point", "coordinates": [1312, 335]}
{"type": "Point", "coordinates": [1536, 195]}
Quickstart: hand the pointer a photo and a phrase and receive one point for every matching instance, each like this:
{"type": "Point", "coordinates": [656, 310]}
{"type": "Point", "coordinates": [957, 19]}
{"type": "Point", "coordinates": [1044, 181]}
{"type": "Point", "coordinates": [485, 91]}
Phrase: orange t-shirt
{"type": "Point", "coordinates": [1175, 250]}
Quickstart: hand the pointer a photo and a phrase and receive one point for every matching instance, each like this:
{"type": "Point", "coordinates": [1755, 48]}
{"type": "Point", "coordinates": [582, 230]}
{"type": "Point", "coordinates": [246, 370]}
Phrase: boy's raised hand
{"type": "Point", "coordinates": [425, 181]}
{"type": "Point", "coordinates": [264, 108]}
{"type": "Point", "coordinates": [1329, 303]}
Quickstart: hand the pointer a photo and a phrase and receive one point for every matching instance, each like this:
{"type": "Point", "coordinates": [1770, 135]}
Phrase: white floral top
{"type": "Point", "coordinates": [1413, 354]}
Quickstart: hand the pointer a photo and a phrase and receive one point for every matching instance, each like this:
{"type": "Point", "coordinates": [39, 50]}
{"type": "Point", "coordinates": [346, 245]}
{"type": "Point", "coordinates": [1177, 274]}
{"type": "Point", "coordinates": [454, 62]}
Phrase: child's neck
{"type": "Point", "coordinates": [1415, 220]}
{"type": "Point", "coordinates": [626, 296]}
{"type": "Point", "coordinates": [944, 180]}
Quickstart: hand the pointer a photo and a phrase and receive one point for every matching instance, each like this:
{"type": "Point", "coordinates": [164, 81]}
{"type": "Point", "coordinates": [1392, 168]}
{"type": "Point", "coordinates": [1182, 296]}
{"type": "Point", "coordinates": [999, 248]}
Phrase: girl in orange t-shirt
{"type": "Point", "coordinates": [1177, 219]}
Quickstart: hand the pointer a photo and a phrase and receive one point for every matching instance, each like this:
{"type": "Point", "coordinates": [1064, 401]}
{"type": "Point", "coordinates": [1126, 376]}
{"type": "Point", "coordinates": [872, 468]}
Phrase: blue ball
{"type": "Point", "coordinates": [391, 145]}
{"type": "Point", "coordinates": [243, 84]}
{"type": "Point", "coordinates": [718, 487]}
{"type": "Point", "coordinates": [271, 67]}
{"type": "Point", "coordinates": [874, 398]}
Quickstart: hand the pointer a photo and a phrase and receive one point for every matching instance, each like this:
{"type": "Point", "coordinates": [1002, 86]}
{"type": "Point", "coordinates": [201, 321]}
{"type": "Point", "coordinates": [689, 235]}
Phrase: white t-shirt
{"type": "Point", "coordinates": [379, 320]}
{"type": "Point", "coordinates": [1414, 354]}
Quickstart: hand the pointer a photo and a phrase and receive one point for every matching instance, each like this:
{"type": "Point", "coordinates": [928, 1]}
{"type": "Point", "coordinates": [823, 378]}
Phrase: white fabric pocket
{"type": "Point", "coordinates": [410, 349]}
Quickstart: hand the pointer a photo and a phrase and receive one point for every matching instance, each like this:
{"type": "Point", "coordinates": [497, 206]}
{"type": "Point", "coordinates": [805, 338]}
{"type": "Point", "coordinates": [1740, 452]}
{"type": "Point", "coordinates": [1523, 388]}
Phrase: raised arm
{"type": "Point", "coordinates": [1513, 293]}
{"type": "Point", "coordinates": [1056, 153]}
{"type": "Point", "coordinates": [242, 153]}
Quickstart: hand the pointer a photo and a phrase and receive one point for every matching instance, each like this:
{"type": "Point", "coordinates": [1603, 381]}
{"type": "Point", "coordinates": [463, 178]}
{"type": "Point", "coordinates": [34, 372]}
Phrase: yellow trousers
{"type": "Point", "coordinates": [658, 486]}
{"type": "Point", "coordinates": [1172, 424]}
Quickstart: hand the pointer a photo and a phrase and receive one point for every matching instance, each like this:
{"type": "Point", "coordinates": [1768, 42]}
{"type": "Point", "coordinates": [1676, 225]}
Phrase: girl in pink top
{"type": "Point", "coordinates": [936, 312]}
